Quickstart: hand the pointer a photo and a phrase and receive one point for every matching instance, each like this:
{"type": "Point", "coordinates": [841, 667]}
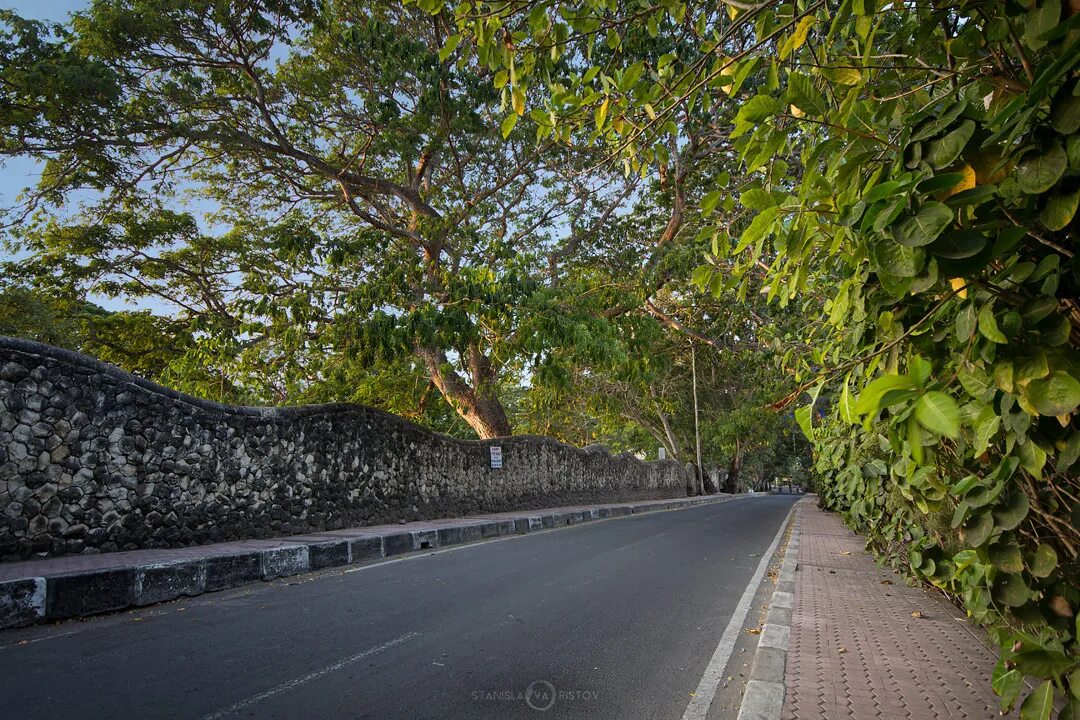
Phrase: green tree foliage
{"type": "Point", "coordinates": [910, 175]}
{"type": "Point", "coordinates": [365, 201]}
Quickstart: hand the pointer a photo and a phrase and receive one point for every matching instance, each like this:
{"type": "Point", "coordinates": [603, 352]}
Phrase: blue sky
{"type": "Point", "coordinates": [17, 174]}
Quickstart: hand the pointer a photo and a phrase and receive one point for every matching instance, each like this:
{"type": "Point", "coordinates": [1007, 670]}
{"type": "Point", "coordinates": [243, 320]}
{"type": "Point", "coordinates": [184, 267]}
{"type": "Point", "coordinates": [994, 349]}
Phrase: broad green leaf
{"type": "Point", "coordinates": [869, 399]}
{"type": "Point", "coordinates": [960, 244]}
{"type": "Point", "coordinates": [899, 260]}
{"type": "Point", "coordinates": [944, 150]}
{"type": "Point", "coordinates": [757, 199]}
{"type": "Point", "coordinates": [804, 417]}
{"type": "Point", "coordinates": [1007, 685]}
{"type": "Point", "coordinates": [1010, 590]}
{"type": "Point", "coordinates": [978, 528]}
{"type": "Point", "coordinates": [1006, 557]}
{"type": "Point", "coordinates": [1058, 394]}
{"type": "Point", "coordinates": [1012, 512]}
{"type": "Point", "coordinates": [449, 47]}
{"type": "Point", "coordinates": [508, 124]}
{"type": "Point", "coordinates": [804, 95]}
{"type": "Point", "coordinates": [988, 326]}
{"type": "Point", "coordinates": [1039, 705]}
{"type": "Point", "coordinates": [708, 203]}
{"type": "Point", "coordinates": [924, 226]}
{"type": "Point", "coordinates": [1059, 209]}
{"type": "Point", "coordinates": [1042, 663]}
{"type": "Point", "coordinates": [1043, 561]}
{"type": "Point", "coordinates": [1038, 171]}
{"type": "Point", "coordinates": [938, 413]}
{"type": "Point", "coordinates": [965, 323]}
{"type": "Point", "coordinates": [1041, 20]}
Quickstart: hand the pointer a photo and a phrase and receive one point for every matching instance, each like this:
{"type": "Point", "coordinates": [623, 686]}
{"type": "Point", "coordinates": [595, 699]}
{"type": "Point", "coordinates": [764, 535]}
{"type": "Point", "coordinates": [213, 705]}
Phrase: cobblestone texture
{"type": "Point", "coordinates": [856, 651]}
{"type": "Point", "coordinates": [93, 459]}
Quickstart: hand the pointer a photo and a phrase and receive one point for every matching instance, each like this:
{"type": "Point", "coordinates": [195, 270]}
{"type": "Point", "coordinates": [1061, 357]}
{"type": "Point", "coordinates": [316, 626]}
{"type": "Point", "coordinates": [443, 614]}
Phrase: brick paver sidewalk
{"type": "Point", "coordinates": [856, 650]}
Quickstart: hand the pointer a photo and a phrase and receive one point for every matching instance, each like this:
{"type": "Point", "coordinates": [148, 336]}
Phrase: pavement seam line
{"type": "Point", "coordinates": [767, 687]}
{"type": "Point", "coordinates": [303, 680]}
{"type": "Point", "coordinates": [698, 707]}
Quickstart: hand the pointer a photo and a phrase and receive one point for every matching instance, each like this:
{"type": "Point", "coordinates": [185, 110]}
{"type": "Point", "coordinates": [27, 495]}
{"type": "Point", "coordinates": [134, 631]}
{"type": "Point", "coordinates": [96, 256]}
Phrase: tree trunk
{"type": "Point", "coordinates": [731, 484]}
{"type": "Point", "coordinates": [478, 403]}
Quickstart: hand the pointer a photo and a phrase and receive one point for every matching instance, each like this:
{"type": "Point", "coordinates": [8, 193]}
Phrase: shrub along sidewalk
{"type": "Point", "coordinates": [865, 645]}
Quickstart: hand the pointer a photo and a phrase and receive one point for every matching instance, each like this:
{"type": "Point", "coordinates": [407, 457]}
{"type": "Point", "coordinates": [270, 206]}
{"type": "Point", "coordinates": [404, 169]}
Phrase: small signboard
{"type": "Point", "coordinates": [496, 457]}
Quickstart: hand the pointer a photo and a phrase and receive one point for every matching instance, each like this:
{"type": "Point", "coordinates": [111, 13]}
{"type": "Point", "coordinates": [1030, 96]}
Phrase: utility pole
{"type": "Point", "coordinates": [697, 428]}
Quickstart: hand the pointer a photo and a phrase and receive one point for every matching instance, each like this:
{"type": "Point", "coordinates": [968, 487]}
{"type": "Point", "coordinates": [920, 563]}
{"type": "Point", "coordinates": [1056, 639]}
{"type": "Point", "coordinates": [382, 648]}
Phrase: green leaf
{"type": "Point", "coordinates": [508, 124]}
{"type": "Point", "coordinates": [757, 109]}
{"type": "Point", "coordinates": [1006, 557]}
{"type": "Point", "coordinates": [1066, 115]}
{"type": "Point", "coordinates": [960, 244]}
{"type": "Point", "coordinates": [965, 323]}
{"type": "Point", "coordinates": [1037, 172]}
{"type": "Point", "coordinates": [1043, 561]}
{"type": "Point", "coordinates": [708, 203]}
{"type": "Point", "coordinates": [1040, 21]}
{"type": "Point", "coordinates": [757, 199]}
{"type": "Point", "coordinates": [804, 95]}
{"type": "Point", "coordinates": [1010, 514]}
{"type": "Point", "coordinates": [1042, 663]}
{"type": "Point", "coordinates": [870, 398]}
{"type": "Point", "coordinates": [1007, 685]}
{"type": "Point", "coordinates": [1059, 209]}
{"type": "Point", "coordinates": [1058, 394]}
{"type": "Point", "coordinates": [924, 226]}
{"type": "Point", "coordinates": [845, 75]}
{"type": "Point", "coordinates": [978, 528]}
{"type": "Point", "coordinates": [938, 413]}
{"type": "Point", "coordinates": [1032, 457]}
{"type": "Point", "coordinates": [804, 417]}
{"type": "Point", "coordinates": [1010, 590]}
{"type": "Point", "coordinates": [899, 260]}
{"type": "Point", "coordinates": [449, 47]}
{"type": "Point", "coordinates": [946, 149]}
{"type": "Point", "coordinates": [988, 326]}
{"type": "Point", "coordinates": [1039, 705]}
{"type": "Point", "coordinates": [985, 432]}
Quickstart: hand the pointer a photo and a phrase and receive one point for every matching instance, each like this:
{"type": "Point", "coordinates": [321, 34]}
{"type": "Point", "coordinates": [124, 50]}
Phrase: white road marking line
{"type": "Point", "coordinates": [297, 682]}
{"type": "Point", "coordinates": [714, 671]}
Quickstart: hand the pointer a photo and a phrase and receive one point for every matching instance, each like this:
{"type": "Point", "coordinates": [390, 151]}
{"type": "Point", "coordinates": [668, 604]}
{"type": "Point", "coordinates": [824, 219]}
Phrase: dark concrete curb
{"type": "Point", "coordinates": [766, 689]}
{"type": "Point", "coordinates": [70, 594]}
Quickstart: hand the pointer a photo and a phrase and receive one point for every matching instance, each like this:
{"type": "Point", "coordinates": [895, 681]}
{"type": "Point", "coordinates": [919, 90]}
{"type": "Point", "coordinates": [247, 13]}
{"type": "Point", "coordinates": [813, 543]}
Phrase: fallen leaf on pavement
{"type": "Point", "coordinates": [886, 582]}
{"type": "Point", "coordinates": [846, 552]}
{"type": "Point", "coordinates": [842, 650]}
{"type": "Point", "coordinates": [754, 631]}
{"type": "Point", "coordinates": [916, 614]}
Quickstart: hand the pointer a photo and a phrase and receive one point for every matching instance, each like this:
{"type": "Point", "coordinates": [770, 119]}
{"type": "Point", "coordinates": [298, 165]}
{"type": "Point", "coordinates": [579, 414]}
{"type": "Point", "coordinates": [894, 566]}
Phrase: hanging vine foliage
{"type": "Point", "coordinates": [918, 165]}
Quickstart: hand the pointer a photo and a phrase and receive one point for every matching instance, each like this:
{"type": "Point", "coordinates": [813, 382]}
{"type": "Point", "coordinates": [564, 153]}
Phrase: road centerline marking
{"type": "Point", "coordinates": [703, 697]}
{"type": "Point", "coordinates": [303, 680]}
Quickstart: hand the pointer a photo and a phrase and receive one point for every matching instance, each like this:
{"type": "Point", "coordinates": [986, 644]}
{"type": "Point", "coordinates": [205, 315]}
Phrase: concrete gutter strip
{"type": "Point", "coordinates": [63, 591]}
{"type": "Point", "coordinates": [766, 689]}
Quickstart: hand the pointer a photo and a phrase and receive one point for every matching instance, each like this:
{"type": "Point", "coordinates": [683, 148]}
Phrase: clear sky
{"type": "Point", "coordinates": [17, 174]}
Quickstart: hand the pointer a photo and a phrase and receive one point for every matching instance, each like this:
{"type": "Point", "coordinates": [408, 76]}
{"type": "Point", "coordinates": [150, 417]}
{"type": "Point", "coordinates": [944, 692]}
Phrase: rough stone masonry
{"type": "Point", "coordinates": [94, 459]}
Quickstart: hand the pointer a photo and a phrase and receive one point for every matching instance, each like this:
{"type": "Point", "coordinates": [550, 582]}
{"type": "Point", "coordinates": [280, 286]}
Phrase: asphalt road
{"type": "Point", "coordinates": [615, 619]}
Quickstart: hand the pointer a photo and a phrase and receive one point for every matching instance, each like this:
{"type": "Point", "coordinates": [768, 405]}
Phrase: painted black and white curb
{"type": "Point", "coordinates": [764, 696]}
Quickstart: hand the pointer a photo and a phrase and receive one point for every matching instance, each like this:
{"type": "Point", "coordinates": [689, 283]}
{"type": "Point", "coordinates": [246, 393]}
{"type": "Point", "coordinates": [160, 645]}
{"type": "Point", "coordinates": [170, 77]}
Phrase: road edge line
{"type": "Point", "coordinates": [703, 697]}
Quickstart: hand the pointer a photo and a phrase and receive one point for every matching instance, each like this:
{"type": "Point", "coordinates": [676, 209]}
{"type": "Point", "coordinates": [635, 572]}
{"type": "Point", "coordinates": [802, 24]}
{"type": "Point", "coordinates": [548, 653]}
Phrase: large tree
{"type": "Point", "coordinates": [365, 202]}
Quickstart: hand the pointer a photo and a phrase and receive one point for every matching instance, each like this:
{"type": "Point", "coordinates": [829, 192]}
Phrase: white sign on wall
{"type": "Point", "coordinates": [661, 453]}
{"type": "Point", "coordinates": [496, 457]}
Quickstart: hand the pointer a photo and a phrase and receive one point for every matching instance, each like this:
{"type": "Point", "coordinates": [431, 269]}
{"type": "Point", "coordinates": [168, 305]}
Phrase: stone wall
{"type": "Point", "coordinates": [95, 459]}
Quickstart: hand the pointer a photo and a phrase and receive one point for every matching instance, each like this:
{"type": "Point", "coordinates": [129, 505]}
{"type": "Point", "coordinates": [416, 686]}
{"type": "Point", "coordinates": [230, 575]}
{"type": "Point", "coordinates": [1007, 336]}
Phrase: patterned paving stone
{"type": "Point", "coordinates": [857, 653]}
